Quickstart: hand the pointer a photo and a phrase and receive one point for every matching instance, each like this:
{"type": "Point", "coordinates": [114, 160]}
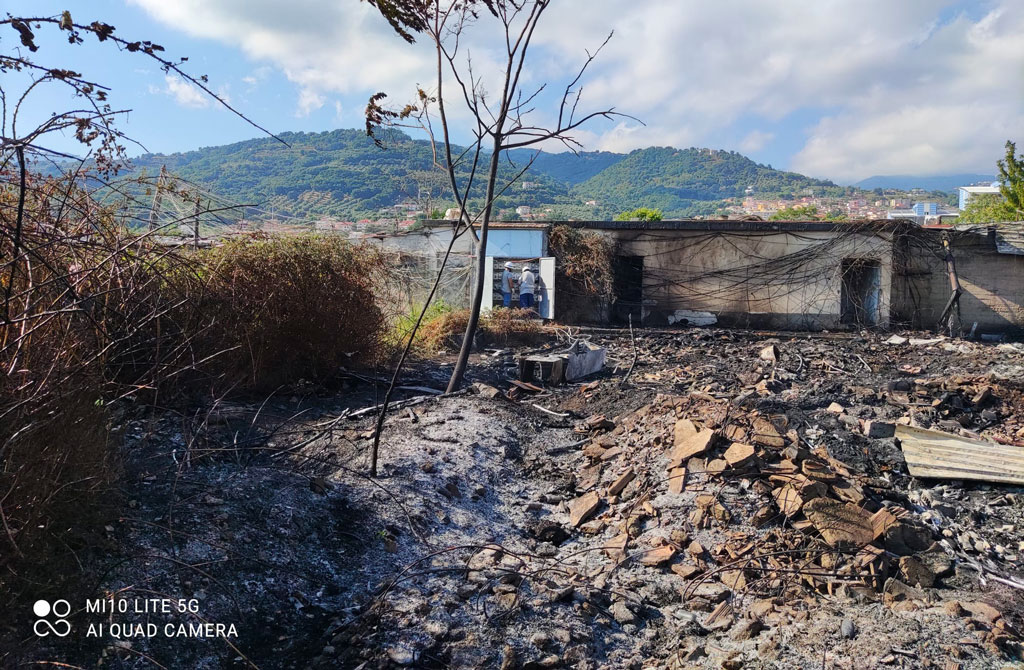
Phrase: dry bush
{"type": "Point", "coordinates": [289, 308]}
{"type": "Point", "coordinates": [584, 272]}
{"type": "Point", "coordinates": [69, 282]}
{"type": "Point", "coordinates": [92, 313]}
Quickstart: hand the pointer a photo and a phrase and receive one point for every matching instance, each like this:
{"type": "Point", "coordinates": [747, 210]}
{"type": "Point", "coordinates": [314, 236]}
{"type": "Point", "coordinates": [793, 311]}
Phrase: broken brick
{"type": "Point", "coordinates": [583, 507]}
{"type": "Point", "coordinates": [737, 454]}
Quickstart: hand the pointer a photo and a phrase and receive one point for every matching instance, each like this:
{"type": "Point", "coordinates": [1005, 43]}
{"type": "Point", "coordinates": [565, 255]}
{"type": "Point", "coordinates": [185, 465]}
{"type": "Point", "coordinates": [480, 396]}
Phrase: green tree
{"type": "Point", "coordinates": [640, 214]}
{"type": "Point", "coordinates": [1011, 176]}
{"type": "Point", "coordinates": [987, 208]}
{"type": "Point", "coordinates": [798, 213]}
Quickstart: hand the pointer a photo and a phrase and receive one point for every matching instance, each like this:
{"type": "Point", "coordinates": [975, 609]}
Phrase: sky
{"type": "Point", "coordinates": [837, 89]}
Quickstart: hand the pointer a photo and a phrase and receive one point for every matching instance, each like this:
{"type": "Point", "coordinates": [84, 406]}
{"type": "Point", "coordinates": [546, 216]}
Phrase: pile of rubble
{"type": "Point", "coordinates": [747, 521]}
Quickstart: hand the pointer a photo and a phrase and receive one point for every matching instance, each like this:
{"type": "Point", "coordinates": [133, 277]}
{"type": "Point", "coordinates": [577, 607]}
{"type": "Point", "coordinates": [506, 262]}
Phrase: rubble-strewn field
{"type": "Point", "coordinates": [740, 501]}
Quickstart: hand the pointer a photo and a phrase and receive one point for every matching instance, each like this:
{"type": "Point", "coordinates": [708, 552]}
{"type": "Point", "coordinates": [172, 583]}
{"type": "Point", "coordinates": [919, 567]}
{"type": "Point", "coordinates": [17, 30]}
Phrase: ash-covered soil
{"type": "Point", "coordinates": [471, 549]}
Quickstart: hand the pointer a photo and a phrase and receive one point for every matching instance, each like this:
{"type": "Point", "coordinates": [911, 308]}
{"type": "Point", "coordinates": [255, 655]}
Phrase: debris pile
{"type": "Point", "coordinates": [747, 522]}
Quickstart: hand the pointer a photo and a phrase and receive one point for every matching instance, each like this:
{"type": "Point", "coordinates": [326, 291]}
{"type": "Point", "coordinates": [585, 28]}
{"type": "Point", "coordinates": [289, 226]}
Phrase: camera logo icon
{"type": "Point", "coordinates": [59, 609]}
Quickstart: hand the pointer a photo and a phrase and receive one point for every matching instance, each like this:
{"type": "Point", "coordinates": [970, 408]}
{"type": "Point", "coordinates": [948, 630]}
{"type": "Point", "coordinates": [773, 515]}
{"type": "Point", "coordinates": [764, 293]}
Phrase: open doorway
{"type": "Point", "coordinates": [628, 284]}
{"type": "Point", "coordinates": [861, 295]}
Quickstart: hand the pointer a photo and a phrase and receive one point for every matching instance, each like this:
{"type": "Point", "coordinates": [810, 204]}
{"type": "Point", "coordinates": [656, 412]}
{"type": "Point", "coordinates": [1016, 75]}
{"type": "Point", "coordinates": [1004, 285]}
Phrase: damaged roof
{"type": "Point", "coordinates": [734, 225]}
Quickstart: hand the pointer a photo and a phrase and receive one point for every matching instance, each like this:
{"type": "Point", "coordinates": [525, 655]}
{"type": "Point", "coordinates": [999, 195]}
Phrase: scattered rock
{"type": "Point", "coordinates": [622, 613]}
{"type": "Point", "coordinates": [583, 508]}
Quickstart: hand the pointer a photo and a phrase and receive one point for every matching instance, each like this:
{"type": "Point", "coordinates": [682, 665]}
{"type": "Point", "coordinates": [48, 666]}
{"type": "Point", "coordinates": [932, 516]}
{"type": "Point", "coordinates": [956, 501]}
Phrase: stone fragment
{"type": "Point", "coordinates": [551, 532]}
{"type": "Point", "coordinates": [747, 630]}
{"type": "Point", "coordinates": [738, 454]}
{"type": "Point", "coordinates": [847, 491]}
{"type": "Point", "coordinates": [983, 611]}
{"type": "Point", "coordinates": [583, 507]}
{"type": "Point", "coordinates": [622, 613]}
{"type": "Point", "coordinates": [842, 525]}
{"type": "Point", "coordinates": [836, 408]}
{"type": "Point", "coordinates": [938, 562]}
{"type": "Point", "coordinates": [716, 467]}
{"type": "Point", "coordinates": [788, 500]}
{"type": "Point", "coordinates": [734, 579]}
{"type": "Point", "coordinates": [904, 538]}
{"type": "Point", "coordinates": [711, 591]}
{"type": "Point", "coordinates": [847, 629]}
{"type": "Point", "coordinates": [689, 441]}
{"type": "Point", "coordinates": [486, 390]}
{"type": "Point", "coordinates": [916, 573]}
{"type": "Point", "coordinates": [879, 429]}
{"type": "Point", "coordinates": [765, 433]}
{"type": "Point", "coordinates": [769, 353]}
{"type": "Point", "coordinates": [895, 591]}
{"type": "Point", "coordinates": [658, 555]}
{"type": "Point", "coordinates": [622, 482]}
{"type": "Point", "coordinates": [685, 570]}
{"type": "Point", "coordinates": [615, 548]}
{"type": "Point", "coordinates": [676, 480]}
{"type": "Point", "coordinates": [594, 451]}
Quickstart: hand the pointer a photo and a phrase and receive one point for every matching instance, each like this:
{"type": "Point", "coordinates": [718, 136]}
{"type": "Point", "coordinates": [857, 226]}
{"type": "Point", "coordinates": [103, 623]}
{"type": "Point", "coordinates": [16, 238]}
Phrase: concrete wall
{"type": "Point", "coordinates": [992, 282]}
{"type": "Point", "coordinates": [762, 279]}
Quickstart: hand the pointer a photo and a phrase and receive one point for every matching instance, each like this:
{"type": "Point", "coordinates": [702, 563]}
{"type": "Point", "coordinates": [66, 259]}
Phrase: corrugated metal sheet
{"type": "Point", "coordinates": [1010, 239]}
{"type": "Point", "coordinates": [932, 454]}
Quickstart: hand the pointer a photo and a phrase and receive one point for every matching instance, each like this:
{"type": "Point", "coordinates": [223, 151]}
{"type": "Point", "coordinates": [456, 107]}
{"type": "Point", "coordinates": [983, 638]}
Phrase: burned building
{"type": "Point", "coordinates": [794, 275]}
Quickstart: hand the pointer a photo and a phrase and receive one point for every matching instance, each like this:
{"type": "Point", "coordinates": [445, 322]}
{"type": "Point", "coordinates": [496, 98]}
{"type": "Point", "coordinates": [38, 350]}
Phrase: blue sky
{"type": "Point", "coordinates": [842, 89]}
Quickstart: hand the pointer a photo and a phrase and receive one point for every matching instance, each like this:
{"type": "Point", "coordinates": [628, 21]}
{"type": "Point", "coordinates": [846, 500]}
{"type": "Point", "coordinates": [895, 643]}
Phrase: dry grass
{"type": "Point", "coordinates": [501, 327]}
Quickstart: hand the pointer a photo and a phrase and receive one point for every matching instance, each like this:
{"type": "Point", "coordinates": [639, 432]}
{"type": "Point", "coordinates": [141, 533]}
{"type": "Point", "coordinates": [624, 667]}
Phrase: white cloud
{"type": "Point", "coordinates": [755, 141]}
{"type": "Point", "coordinates": [309, 101]}
{"type": "Point", "coordinates": [922, 86]}
{"type": "Point", "coordinates": [184, 93]}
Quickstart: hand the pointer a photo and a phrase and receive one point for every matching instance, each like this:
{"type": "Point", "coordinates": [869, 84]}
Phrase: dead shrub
{"type": "Point", "coordinates": [289, 308]}
{"type": "Point", "coordinates": [93, 313]}
{"type": "Point", "coordinates": [583, 271]}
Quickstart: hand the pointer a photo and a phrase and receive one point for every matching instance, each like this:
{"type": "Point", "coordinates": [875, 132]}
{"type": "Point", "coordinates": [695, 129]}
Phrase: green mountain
{"type": "Point", "coordinates": [568, 167]}
{"type": "Point", "coordinates": [341, 174]}
{"type": "Point", "coordinates": [687, 181]}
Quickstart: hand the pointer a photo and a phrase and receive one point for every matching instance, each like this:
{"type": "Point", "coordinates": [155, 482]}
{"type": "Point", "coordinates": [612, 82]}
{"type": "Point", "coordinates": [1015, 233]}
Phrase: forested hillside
{"type": "Point", "coordinates": [683, 181]}
{"type": "Point", "coordinates": [341, 174]}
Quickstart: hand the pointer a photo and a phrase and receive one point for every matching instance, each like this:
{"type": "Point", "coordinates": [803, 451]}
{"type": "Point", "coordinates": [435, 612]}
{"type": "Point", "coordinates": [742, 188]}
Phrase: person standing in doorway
{"type": "Point", "coordinates": [508, 280]}
{"type": "Point", "coordinates": [527, 284]}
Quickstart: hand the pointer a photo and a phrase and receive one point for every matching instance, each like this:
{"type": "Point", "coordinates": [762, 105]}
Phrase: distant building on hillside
{"type": "Point", "coordinates": [925, 208]}
{"type": "Point", "coordinates": [967, 192]}
{"type": "Point", "coordinates": [908, 214]}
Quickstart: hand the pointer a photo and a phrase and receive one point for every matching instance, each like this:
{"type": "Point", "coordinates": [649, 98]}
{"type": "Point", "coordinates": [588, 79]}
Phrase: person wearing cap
{"type": "Point", "coordinates": [527, 284]}
{"type": "Point", "coordinates": [508, 280]}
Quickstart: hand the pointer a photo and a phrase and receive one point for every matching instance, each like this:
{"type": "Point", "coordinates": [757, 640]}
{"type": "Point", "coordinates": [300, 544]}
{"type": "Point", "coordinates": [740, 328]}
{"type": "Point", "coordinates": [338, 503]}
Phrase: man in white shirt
{"type": "Point", "coordinates": [508, 281]}
{"type": "Point", "coordinates": [527, 284]}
